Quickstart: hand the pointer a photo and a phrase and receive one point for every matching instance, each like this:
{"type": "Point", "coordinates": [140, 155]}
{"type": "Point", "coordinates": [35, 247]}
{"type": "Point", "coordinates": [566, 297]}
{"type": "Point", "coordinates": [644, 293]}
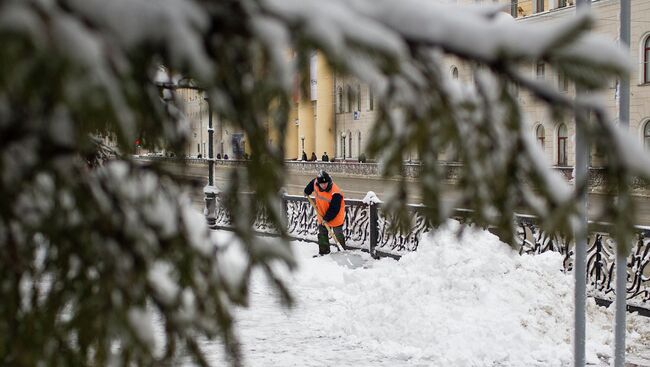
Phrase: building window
{"type": "Point", "coordinates": [561, 3]}
{"type": "Point", "coordinates": [646, 60]}
{"type": "Point", "coordinates": [454, 73]}
{"type": "Point", "coordinates": [371, 100]}
{"type": "Point", "coordinates": [646, 136]}
{"type": "Point", "coordinates": [350, 98]}
{"type": "Point", "coordinates": [540, 70]}
{"type": "Point", "coordinates": [562, 82]}
{"type": "Point", "coordinates": [540, 6]}
{"type": "Point", "coordinates": [562, 138]}
{"type": "Point", "coordinates": [514, 89]}
{"type": "Point", "coordinates": [350, 145]}
{"type": "Point", "coordinates": [359, 142]}
{"type": "Point", "coordinates": [339, 99]}
{"type": "Point", "coordinates": [513, 8]}
{"type": "Point", "coordinates": [540, 134]}
{"type": "Point", "coordinates": [358, 97]}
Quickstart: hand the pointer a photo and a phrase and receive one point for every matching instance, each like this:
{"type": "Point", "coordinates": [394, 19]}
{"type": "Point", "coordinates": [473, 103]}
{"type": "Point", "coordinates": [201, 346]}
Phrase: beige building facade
{"type": "Point", "coordinates": [337, 114]}
{"type": "Point", "coordinates": [228, 140]}
{"type": "Point", "coordinates": [355, 113]}
{"type": "Point", "coordinates": [557, 136]}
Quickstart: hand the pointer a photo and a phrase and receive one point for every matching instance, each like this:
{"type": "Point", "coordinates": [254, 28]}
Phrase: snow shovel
{"type": "Point", "coordinates": [329, 229]}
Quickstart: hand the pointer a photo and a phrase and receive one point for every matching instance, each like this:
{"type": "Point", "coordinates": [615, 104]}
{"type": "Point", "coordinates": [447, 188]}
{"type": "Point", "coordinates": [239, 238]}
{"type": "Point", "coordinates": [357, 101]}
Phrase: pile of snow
{"type": "Point", "coordinates": [469, 301]}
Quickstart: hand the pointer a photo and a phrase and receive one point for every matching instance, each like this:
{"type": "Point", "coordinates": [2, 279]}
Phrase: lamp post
{"type": "Point", "coordinates": [210, 143]}
{"type": "Point", "coordinates": [343, 144]}
{"type": "Point", "coordinates": [166, 83]}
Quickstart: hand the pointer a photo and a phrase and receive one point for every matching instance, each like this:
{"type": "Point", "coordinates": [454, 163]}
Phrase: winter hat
{"type": "Point", "coordinates": [323, 177]}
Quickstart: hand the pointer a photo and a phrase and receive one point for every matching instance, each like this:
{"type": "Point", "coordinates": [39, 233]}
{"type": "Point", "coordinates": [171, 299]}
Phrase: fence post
{"type": "Point", "coordinates": [285, 209]}
{"type": "Point", "coordinates": [374, 229]}
{"type": "Point", "coordinates": [211, 208]}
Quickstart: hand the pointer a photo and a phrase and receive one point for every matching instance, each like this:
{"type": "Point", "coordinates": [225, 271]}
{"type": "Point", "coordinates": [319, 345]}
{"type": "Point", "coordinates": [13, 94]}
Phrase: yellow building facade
{"type": "Point", "coordinates": [311, 127]}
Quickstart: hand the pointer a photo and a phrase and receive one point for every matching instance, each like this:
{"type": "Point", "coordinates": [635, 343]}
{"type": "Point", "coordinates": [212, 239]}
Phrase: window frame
{"type": "Point", "coordinates": [540, 139]}
{"type": "Point", "coordinates": [339, 100]}
{"type": "Point", "coordinates": [358, 97]}
{"type": "Point", "coordinates": [350, 98]}
{"type": "Point", "coordinates": [562, 82]}
{"type": "Point", "coordinates": [562, 149]}
{"type": "Point", "coordinates": [646, 135]}
{"type": "Point", "coordinates": [349, 144]}
{"type": "Point", "coordinates": [645, 62]}
{"type": "Point", "coordinates": [540, 70]}
{"type": "Point", "coordinates": [454, 73]}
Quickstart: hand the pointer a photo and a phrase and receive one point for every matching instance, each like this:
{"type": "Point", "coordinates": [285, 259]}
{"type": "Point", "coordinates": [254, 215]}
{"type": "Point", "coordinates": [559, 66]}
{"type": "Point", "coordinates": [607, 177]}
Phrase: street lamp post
{"type": "Point", "coordinates": [210, 144]}
{"type": "Point", "coordinates": [210, 195]}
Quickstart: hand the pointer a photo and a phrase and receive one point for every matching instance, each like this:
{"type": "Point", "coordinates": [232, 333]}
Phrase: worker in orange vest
{"type": "Point", "coordinates": [330, 206]}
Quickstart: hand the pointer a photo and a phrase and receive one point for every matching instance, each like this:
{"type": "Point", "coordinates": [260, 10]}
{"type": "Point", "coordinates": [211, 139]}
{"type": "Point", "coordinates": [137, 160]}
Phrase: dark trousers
{"type": "Point", "coordinates": [323, 238]}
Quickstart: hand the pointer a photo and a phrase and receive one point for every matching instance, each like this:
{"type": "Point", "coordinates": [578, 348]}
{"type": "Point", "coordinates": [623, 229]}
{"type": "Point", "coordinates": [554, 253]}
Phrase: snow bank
{"type": "Point", "coordinates": [467, 302]}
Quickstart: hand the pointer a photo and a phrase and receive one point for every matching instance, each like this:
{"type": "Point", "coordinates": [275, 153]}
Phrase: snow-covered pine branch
{"type": "Point", "coordinates": [119, 241]}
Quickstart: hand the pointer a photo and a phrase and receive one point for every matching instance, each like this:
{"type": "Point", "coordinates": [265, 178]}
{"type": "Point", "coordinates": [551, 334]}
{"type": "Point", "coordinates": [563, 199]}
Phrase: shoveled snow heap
{"type": "Point", "coordinates": [471, 301]}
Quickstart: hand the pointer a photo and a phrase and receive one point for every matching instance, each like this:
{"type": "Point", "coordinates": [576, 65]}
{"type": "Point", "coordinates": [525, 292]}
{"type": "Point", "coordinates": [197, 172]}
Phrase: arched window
{"type": "Point", "coordinates": [350, 144]}
{"type": "Point", "coordinates": [646, 60]}
{"type": "Point", "coordinates": [339, 100]}
{"type": "Point", "coordinates": [646, 136]}
{"type": "Point", "coordinates": [540, 134]}
{"type": "Point", "coordinates": [540, 70]}
{"type": "Point", "coordinates": [358, 97]}
{"type": "Point", "coordinates": [562, 81]}
{"type": "Point", "coordinates": [350, 98]}
{"type": "Point", "coordinates": [359, 143]}
{"type": "Point", "coordinates": [562, 138]}
{"type": "Point", "coordinates": [454, 72]}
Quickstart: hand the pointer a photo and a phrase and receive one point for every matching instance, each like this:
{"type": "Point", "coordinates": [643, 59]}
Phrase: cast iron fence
{"type": "Point", "coordinates": [367, 228]}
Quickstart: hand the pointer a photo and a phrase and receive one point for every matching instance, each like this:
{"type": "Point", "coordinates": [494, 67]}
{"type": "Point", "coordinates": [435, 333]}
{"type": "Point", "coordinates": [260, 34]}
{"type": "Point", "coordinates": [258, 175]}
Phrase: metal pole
{"type": "Point", "coordinates": [621, 256]}
{"type": "Point", "coordinates": [374, 230]}
{"type": "Point", "coordinates": [210, 147]}
{"type": "Point", "coordinates": [580, 269]}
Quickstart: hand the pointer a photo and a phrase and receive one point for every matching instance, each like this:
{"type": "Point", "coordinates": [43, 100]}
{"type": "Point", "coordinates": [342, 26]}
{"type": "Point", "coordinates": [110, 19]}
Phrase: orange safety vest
{"type": "Point", "coordinates": [323, 200]}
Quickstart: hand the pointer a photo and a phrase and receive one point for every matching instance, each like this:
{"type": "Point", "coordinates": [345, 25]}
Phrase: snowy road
{"type": "Point", "coordinates": [472, 302]}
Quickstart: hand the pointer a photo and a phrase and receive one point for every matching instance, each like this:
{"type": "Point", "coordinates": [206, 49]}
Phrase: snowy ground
{"type": "Point", "coordinates": [472, 302]}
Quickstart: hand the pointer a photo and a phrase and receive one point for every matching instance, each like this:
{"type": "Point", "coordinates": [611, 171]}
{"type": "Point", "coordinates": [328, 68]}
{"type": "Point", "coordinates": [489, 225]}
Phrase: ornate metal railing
{"type": "Point", "coordinates": [368, 228]}
{"type": "Point", "coordinates": [601, 258]}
